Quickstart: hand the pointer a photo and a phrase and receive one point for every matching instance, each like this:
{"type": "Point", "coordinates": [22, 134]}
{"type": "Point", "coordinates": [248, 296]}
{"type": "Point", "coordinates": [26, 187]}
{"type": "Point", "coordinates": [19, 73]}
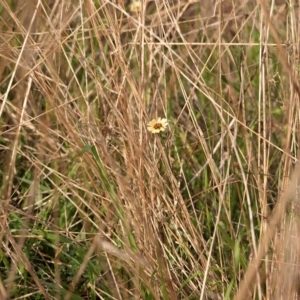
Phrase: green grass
{"type": "Point", "coordinates": [93, 206]}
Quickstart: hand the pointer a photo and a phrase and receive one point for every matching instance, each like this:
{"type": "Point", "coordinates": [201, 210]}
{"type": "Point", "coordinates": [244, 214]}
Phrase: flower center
{"type": "Point", "coordinates": [157, 126]}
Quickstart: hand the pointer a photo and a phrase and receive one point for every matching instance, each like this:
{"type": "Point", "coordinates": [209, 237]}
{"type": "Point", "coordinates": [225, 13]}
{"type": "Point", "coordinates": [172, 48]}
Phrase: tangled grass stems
{"type": "Point", "coordinates": [95, 206]}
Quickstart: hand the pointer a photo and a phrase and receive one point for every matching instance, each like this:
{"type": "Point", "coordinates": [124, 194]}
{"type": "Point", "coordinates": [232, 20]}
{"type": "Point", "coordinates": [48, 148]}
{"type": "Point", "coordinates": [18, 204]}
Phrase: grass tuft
{"type": "Point", "coordinates": [93, 205]}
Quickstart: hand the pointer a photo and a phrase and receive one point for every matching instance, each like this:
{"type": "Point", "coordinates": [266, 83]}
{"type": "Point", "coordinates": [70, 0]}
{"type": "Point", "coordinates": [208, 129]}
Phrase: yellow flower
{"type": "Point", "coordinates": [158, 125]}
{"type": "Point", "coordinates": [135, 6]}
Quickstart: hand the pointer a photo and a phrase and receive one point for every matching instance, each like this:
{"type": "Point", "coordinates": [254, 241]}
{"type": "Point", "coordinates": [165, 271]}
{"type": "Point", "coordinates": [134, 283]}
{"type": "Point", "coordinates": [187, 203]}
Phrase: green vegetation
{"type": "Point", "coordinates": [93, 205]}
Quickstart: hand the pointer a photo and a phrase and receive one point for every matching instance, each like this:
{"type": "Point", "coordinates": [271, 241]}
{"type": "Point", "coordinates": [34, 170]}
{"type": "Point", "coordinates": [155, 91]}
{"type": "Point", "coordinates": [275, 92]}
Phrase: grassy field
{"type": "Point", "coordinates": [94, 205]}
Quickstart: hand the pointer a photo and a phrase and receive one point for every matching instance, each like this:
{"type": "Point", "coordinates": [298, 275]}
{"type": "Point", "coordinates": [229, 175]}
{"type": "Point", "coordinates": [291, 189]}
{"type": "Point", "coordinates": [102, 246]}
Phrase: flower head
{"type": "Point", "coordinates": [158, 125]}
{"type": "Point", "coordinates": [135, 6]}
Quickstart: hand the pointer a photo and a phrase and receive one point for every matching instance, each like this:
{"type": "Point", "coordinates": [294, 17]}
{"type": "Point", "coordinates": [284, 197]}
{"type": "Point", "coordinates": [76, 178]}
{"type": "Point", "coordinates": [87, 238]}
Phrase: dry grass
{"type": "Point", "coordinates": [96, 207]}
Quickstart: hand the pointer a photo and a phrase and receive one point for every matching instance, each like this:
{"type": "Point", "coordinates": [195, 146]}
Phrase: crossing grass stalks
{"type": "Point", "coordinates": [93, 205]}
